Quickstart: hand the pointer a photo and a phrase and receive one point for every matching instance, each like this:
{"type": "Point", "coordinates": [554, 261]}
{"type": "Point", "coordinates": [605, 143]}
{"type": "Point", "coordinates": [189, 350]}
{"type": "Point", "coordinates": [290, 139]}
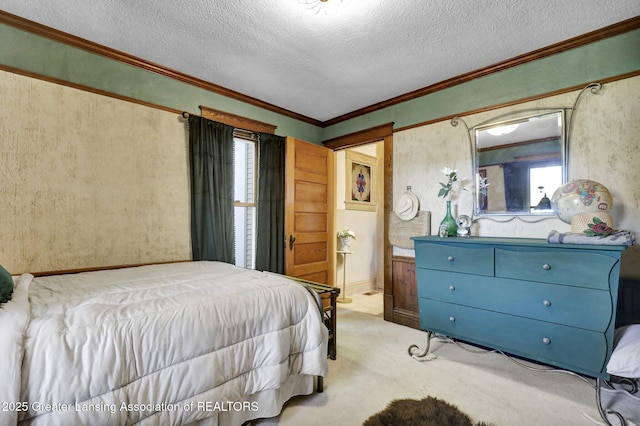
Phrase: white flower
{"type": "Point", "coordinates": [447, 171]}
{"type": "Point", "coordinates": [447, 188]}
{"type": "Point", "coordinates": [347, 233]}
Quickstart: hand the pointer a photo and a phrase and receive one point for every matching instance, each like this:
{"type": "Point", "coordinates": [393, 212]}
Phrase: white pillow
{"type": "Point", "coordinates": [625, 359]}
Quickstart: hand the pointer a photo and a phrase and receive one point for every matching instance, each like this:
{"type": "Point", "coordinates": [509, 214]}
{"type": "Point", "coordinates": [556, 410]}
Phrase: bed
{"type": "Point", "coordinates": [178, 343]}
{"type": "Point", "coordinates": [619, 397]}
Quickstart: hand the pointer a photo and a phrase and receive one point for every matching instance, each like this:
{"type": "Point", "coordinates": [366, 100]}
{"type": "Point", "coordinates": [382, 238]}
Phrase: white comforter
{"type": "Point", "coordinates": [161, 344]}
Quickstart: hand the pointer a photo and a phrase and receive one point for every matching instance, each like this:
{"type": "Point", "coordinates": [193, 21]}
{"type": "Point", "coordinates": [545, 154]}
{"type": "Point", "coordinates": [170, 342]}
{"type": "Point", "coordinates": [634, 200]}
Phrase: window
{"type": "Point", "coordinates": [543, 181]}
{"type": "Point", "coordinates": [245, 190]}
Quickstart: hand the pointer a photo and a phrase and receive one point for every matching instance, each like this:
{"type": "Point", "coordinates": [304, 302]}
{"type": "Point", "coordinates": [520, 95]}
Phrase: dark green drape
{"type": "Point", "coordinates": [211, 162]}
{"type": "Point", "coordinates": [271, 198]}
{"type": "Point", "coordinates": [516, 186]}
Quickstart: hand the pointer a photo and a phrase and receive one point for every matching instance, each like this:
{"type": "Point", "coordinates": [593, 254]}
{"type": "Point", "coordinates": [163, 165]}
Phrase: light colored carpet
{"type": "Point", "coordinates": [373, 367]}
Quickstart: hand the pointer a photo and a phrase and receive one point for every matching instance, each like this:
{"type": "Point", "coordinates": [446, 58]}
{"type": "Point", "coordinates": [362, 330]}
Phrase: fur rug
{"type": "Point", "coordinates": [429, 411]}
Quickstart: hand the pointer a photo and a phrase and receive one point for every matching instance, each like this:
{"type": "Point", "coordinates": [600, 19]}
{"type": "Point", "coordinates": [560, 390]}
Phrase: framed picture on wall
{"type": "Point", "coordinates": [360, 191]}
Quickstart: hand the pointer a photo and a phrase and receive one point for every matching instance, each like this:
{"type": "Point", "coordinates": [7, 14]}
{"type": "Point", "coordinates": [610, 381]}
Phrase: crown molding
{"type": "Point", "coordinates": [516, 101]}
{"type": "Point", "coordinates": [572, 43]}
{"type": "Point", "coordinates": [80, 43]}
{"type": "Point", "coordinates": [116, 55]}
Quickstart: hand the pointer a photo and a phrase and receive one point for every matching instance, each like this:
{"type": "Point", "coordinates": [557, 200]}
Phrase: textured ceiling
{"type": "Point", "coordinates": [325, 64]}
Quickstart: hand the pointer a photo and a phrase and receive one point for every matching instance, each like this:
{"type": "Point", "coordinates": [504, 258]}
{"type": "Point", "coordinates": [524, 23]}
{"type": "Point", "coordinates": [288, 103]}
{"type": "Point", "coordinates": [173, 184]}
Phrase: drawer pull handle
{"type": "Point", "coordinates": [452, 287]}
{"type": "Point", "coordinates": [546, 303]}
{"type": "Point", "coordinates": [452, 319]}
{"type": "Point", "coordinates": [450, 258]}
{"type": "Point", "coordinates": [546, 341]}
{"type": "Point", "coordinates": [546, 266]}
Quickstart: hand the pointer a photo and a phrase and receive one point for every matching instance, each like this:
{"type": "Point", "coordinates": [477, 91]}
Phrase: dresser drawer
{"type": "Point", "coordinates": [445, 257]}
{"type": "Point", "coordinates": [575, 267]}
{"type": "Point", "coordinates": [567, 347]}
{"type": "Point", "coordinates": [572, 306]}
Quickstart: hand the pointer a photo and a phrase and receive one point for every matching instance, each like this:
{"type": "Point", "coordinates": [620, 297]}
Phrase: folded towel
{"type": "Point", "coordinates": [621, 238]}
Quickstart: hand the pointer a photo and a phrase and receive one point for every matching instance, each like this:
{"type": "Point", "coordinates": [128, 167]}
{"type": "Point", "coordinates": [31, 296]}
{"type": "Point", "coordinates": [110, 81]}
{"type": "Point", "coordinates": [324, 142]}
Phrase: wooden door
{"type": "Point", "coordinates": [309, 210]}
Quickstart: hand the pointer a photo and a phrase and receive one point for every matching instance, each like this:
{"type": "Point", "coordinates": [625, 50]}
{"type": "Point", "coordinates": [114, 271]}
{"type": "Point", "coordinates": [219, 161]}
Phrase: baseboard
{"type": "Point", "coordinates": [360, 287]}
{"type": "Point", "coordinates": [406, 318]}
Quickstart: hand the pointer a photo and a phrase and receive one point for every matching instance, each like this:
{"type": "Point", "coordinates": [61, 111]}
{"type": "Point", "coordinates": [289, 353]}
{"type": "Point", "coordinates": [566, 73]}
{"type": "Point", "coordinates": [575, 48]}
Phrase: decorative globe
{"type": "Point", "coordinates": [581, 196]}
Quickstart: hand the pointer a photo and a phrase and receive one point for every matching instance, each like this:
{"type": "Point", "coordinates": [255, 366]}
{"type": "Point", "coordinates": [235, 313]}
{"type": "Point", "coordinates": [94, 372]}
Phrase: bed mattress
{"type": "Point", "coordinates": [161, 344]}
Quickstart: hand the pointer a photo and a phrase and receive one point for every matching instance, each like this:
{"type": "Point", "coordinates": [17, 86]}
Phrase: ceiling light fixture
{"type": "Point", "coordinates": [502, 130]}
{"type": "Point", "coordinates": [324, 5]}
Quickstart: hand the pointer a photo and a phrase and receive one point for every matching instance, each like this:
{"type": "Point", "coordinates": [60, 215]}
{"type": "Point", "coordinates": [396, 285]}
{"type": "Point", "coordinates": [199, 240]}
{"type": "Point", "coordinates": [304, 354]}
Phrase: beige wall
{"type": "Point", "coordinates": [604, 147]}
{"type": "Point", "coordinates": [87, 180]}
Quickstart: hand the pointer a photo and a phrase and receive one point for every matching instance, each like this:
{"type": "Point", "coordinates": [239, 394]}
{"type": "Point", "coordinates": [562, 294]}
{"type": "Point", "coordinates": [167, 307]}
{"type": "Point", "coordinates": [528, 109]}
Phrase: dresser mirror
{"type": "Point", "coordinates": [519, 159]}
{"type": "Point", "coordinates": [519, 162]}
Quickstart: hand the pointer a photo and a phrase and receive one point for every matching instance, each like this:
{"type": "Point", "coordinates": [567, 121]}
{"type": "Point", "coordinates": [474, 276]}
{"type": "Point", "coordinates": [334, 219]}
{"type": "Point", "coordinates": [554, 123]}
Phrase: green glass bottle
{"type": "Point", "coordinates": [449, 222]}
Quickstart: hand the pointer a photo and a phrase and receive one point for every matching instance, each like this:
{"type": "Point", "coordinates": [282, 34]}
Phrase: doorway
{"type": "Point", "coordinates": [384, 134]}
{"type": "Point", "coordinates": [359, 204]}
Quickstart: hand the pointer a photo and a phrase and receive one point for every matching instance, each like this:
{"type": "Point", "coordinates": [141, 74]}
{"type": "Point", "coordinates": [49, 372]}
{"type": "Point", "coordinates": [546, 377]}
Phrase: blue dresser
{"type": "Point", "coordinates": [553, 303]}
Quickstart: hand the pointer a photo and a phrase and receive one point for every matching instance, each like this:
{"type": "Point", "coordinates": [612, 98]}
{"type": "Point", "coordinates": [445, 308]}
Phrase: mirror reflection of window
{"type": "Point", "coordinates": [543, 182]}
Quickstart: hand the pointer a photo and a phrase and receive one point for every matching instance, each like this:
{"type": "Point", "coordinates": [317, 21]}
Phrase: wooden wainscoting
{"type": "Point", "coordinates": [404, 292]}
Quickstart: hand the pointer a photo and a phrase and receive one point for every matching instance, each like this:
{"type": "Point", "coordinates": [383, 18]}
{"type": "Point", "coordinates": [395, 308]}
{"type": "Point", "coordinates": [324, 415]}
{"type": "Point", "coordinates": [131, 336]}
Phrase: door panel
{"type": "Point", "coordinates": [310, 192]}
{"type": "Point", "coordinates": [310, 222]}
{"type": "Point", "coordinates": [309, 210]}
{"type": "Point", "coordinates": [310, 253]}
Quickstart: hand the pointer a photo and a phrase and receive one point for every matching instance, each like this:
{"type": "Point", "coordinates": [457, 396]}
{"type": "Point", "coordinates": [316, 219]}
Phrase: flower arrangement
{"type": "Point", "coordinates": [483, 185]}
{"type": "Point", "coordinates": [599, 229]}
{"type": "Point", "coordinates": [347, 233]}
{"type": "Point", "coordinates": [452, 181]}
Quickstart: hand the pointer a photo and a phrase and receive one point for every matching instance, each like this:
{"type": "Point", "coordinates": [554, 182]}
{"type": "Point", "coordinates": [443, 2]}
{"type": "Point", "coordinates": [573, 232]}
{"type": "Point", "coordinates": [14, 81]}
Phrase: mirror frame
{"type": "Point", "coordinates": [568, 114]}
{"type": "Point", "coordinates": [505, 119]}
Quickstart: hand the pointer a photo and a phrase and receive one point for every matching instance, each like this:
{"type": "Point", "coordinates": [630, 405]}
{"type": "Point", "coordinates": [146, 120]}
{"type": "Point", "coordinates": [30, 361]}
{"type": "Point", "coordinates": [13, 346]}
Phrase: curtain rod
{"type": "Point", "coordinates": [185, 115]}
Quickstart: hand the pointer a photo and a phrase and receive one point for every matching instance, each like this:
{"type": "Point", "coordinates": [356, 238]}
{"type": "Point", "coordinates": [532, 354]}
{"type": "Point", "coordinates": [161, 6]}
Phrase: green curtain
{"type": "Point", "coordinates": [271, 198]}
{"type": "Point", "coordinates": [211, 162]}
{"type": "Point", "coordinates": [516, 186]}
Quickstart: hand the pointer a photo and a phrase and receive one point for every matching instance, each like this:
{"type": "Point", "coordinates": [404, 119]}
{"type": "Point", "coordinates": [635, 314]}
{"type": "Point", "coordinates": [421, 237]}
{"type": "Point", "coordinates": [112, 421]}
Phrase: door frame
{"type": "Point", "coordinates": [383, 132]}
